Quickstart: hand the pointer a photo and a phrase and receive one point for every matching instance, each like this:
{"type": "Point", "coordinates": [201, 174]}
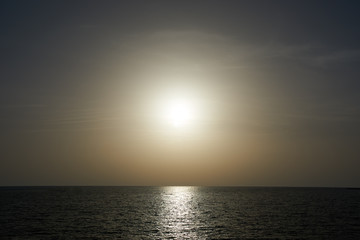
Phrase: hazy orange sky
{"type": "Point", "coordinates": [88, 87]}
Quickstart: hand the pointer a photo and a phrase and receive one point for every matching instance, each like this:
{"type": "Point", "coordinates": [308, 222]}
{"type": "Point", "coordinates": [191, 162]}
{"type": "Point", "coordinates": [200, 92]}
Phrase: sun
{"type": "Point", "coordinates": [179, 112]}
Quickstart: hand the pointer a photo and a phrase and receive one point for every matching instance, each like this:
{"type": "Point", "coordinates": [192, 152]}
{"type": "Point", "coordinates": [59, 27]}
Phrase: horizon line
{"type": "Point", "coordinates": [203, 186]}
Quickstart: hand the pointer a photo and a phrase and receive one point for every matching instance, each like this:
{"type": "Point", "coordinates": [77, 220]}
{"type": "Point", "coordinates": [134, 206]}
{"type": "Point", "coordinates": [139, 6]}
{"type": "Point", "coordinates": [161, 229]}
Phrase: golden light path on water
{"type": "Point", "coordinates": [179, 214]}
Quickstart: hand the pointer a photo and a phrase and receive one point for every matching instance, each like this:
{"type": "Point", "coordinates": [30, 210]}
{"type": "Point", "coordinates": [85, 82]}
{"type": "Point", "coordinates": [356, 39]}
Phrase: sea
{"type": "Point", "coordinates": [179, 213]}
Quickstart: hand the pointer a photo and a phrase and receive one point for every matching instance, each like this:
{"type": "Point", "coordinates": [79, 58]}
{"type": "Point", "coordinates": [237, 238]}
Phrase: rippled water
{"type": "Point", "coordinates": [179, 213]}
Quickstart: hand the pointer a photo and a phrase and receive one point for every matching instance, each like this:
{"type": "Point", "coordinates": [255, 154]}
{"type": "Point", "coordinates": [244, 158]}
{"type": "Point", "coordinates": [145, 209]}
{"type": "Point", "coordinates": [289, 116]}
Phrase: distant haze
{"type": "Point", "coordinates": [272, 89]}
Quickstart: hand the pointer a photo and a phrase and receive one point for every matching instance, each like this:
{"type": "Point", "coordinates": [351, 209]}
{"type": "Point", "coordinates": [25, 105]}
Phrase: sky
{"type": "Point", "coordinates": [268, 93]}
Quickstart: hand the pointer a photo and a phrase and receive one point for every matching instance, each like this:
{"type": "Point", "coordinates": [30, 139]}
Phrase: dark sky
{"type": "Point", "coordinates": [274, 86]}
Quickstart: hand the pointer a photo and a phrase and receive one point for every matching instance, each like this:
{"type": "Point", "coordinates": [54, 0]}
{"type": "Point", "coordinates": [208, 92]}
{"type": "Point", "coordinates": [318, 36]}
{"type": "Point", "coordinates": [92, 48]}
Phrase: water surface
{"type": "Point", "coordinates": [179, 213]}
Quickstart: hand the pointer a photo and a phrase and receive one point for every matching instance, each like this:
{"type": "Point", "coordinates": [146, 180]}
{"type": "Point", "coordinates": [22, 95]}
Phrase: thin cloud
{"type": "Point", "coordinates": [336, 57]}
{"type": "Point", "coordinates": [9, 106]}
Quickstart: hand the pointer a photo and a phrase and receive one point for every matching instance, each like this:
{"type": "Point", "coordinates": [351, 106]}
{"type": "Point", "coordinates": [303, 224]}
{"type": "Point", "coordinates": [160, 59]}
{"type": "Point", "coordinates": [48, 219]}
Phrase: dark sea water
{"type": "Point", "coordinates": [179, 213]}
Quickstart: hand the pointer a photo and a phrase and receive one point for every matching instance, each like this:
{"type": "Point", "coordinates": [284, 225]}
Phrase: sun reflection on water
{"type": "Point", "coordinates": [179, 214]}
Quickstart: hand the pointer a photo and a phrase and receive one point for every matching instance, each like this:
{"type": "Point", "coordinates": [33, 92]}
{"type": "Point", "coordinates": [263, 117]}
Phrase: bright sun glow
{"type": "Point", "coordinates": [179, 113]}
